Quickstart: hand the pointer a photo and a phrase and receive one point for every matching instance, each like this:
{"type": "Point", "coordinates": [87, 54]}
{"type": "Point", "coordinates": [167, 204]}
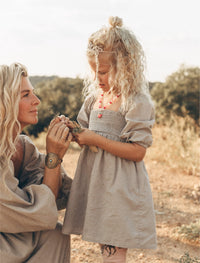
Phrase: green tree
{"type": "Point", "coordinates": [179, 94]}
{"type": "Point", "coordinates": [37, 79]}
{"type": "Point", "coordinates": [58, 96]}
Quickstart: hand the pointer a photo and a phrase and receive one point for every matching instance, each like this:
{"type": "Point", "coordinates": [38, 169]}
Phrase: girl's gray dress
{"type": "Point", "coordinates": [110, 200]}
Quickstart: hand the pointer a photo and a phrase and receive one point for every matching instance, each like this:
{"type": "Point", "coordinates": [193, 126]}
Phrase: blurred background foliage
{"type": "Point", "coordinates": [58, 96]}
{"type": "Point", "coordinates": [179, 95]}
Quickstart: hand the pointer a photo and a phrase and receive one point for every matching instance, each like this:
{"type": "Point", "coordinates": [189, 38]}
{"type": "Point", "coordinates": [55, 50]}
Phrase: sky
{"type": "Point", "coordinates": [50, 36]}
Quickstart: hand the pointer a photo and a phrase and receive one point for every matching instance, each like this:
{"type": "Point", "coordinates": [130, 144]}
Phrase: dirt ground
{"type": "Point", "coordinates": [174, 206]}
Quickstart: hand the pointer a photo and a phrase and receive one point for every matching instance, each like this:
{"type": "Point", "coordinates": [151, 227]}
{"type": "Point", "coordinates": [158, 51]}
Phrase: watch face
{"type": "Point", "coordinates": [52, 160]}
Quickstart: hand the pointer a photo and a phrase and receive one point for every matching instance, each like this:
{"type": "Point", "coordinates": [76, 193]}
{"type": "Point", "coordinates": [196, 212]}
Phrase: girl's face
{"type": "Point", "coordinates": [104, 70]}
{"type": "Point", "coordinates": [28, 104]}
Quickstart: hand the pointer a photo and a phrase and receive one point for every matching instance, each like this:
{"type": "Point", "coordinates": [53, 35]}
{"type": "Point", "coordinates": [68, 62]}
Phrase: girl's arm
{"type": "Point", "coordinates": [129, 151]}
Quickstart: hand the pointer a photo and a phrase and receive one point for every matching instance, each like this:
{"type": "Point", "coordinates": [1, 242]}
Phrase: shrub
{"type": "Point", "coordinates": [190, 232]}
{"type": "Point", "coordinates": [187, 259]}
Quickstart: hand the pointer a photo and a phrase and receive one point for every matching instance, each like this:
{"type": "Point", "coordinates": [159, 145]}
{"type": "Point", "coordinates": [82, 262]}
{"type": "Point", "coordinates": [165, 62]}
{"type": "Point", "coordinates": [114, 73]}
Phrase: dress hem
{"type": "Point", "coordinates": [91, 239]}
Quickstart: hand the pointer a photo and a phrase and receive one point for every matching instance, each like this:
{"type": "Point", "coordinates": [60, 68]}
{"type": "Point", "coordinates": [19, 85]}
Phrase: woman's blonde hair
{"type": "Point", "coordinates": [10, 80]}
{"type": "Point", "coordinates": [127, 58]}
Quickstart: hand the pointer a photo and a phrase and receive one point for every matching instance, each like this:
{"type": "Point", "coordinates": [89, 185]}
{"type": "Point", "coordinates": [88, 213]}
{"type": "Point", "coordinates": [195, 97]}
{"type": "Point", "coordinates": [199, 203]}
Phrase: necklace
{"type": "Point", "coordinates": [109, 103]}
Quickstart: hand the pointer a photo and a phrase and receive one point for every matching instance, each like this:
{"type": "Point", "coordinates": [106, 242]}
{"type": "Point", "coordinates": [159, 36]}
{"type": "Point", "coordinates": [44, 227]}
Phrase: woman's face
{"type": "Point", "coordinates": [28, 104]}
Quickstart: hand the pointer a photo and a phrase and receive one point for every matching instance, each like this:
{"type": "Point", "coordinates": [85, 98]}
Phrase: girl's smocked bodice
{"type": "Point", "coordinates": [109, 125]}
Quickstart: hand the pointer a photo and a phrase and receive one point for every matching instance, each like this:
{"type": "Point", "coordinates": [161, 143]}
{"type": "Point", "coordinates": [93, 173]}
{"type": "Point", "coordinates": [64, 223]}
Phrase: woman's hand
{"type": "Point", "coordinates": [58, 136]}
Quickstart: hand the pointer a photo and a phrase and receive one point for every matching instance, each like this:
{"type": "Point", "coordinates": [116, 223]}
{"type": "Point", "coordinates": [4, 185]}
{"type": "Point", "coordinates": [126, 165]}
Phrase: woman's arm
{"type": "Point", "coordinates": [57, 142]}
{"type": "Point", "coordinates": [129, 151]}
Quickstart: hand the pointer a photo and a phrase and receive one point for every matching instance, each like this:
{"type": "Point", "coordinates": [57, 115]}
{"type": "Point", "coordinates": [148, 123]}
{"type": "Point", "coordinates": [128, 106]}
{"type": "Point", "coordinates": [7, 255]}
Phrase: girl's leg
{"type": "Point", "coordinates": [112, 254]}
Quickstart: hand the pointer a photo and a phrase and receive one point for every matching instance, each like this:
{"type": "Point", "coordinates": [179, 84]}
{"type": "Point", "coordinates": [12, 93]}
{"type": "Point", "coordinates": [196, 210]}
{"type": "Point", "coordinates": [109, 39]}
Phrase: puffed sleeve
{"type": "Point", "coordinates": [26, 205]}
{"type": "Point", "coordinates": [32, 208]}
{"type": "Point", "coordinates": [84, 113]}
{"type": "Point", "coordinates": [139, 122]}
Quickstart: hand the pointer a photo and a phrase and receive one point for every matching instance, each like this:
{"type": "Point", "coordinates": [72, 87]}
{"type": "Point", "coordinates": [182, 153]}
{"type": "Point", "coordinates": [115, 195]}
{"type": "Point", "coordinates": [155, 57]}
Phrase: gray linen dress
{"type": "Point", "coordinates": [110, 200]}
{"type": "Point", "coordinates": [29, 231]}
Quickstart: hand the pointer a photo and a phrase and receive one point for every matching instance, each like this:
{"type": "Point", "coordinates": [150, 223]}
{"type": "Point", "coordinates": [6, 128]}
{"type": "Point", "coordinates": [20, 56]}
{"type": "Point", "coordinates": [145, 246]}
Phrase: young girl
{"type": "Point", "coordinates": [110, 201]}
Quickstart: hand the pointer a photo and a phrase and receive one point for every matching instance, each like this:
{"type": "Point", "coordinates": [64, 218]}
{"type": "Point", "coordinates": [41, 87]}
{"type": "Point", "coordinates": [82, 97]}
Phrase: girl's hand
{"type": "Point", "coordinates": [85, 137]}
{"type": "Point", "coordinates": [58, 136]}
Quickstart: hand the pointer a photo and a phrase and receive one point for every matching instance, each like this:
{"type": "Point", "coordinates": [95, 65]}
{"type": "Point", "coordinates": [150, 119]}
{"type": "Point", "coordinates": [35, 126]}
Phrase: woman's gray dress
{"type": "Point", "coordinates": [110, 201]}
{"type": "Point", "coordinates": [29, 231]}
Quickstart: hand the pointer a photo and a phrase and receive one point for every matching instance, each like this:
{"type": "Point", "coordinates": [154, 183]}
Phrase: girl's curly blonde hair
{"type": "Point", "coordinates": [127, 57]}
{"type": "Point", "coordinates": [10, 80]}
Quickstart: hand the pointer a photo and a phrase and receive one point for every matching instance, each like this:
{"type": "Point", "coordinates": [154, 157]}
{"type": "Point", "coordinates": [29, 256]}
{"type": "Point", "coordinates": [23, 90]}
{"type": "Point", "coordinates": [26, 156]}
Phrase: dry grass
{"type": "Point", "coordinates": [177, 145]}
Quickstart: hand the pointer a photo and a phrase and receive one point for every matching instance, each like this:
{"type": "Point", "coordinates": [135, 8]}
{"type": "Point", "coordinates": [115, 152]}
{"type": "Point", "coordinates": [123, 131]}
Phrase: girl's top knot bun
{"type": "Point", "coordinates": [115, 21]}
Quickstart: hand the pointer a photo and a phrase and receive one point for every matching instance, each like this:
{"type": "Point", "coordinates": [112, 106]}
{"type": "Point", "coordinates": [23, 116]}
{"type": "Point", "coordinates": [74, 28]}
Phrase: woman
{"type": "Point", "coordinates": [32, 186]}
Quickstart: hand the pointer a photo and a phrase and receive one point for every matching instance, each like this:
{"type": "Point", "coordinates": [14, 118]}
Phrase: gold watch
{"type": "Point", "coordinates": [52, 160]}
